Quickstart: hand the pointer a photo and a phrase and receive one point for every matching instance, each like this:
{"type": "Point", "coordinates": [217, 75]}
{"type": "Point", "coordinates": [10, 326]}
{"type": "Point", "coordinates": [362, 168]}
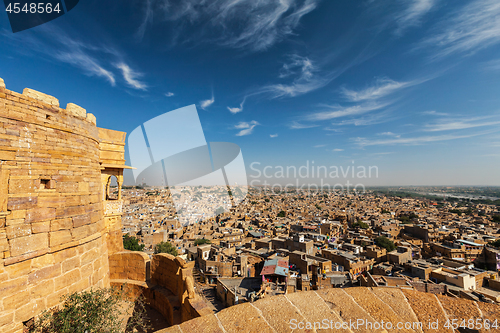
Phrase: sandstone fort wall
{"type": "Point", "coordinates": [52, 229]}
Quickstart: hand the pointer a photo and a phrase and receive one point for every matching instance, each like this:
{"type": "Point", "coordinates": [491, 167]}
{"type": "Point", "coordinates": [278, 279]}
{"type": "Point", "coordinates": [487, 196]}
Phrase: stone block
{"type": "Point", "coordinates": [79, 286]}
{"type": "Point", "coordinates": [2, 85]}
{"type": "Point", "coordinates": [7, 155]}
{"type": "Point", "coordinates": [89, 256]}
{"type": "Point", "coordinates": [91, 118]}
{"type": "Point", "coordinates": [13, 286]}
{"type": "Point", "coordinates": [51, 100]}
{"type": "Point", "coordinates": [81, 232]}
{"type": "Point", "coordinates": [22, 203]}
{"type": "Point", "coordinates": [29, 310]}
{"type": "Point", "coordinates": [60, 224]}
{"type": "Point", "coordinates": [18, 230]}
{"type": "Point", "coordinates": [55, 298]}
{"type": "Point", "coordinates": [6, 318]}
{"type": "Point", "coordinates": [31, 243]}
{"type": "Point", "coordinates": [51, 202]}
{"type": "Point", "coordinates": [60, 237]}
{"type": "Point", "coordinates": [76, 110]}
{"type": "Point", "coordinates": [40, 214]}
{"type": "Point", "coordinates": [4, 187]}
{"type": "Point", "coordinates": [21, 186]}
{"type": "Point", "coordinates": [42, 261]}
{"type": "Point", "coordinates": [19, 269]}
{"type": "Point", "coordinates": [70, 264]}
{"type": "Point", "coordinates": [16, 300]}
{"type": "Point", "coordinates": [62, 255]}
{"type": "Point", "coordinates": [67, 279]}
{"type": "Point", "coordinates": [80, 220]}
{"type": "Point", "coordinates": [45, 273]}
{"type": "Point", "coordinates": [39, 227]}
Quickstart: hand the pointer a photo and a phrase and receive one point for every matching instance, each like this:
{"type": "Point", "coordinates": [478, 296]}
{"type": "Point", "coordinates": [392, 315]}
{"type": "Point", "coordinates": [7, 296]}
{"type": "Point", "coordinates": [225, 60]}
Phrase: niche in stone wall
{"type": "Point", "coordinates": [112, 189]}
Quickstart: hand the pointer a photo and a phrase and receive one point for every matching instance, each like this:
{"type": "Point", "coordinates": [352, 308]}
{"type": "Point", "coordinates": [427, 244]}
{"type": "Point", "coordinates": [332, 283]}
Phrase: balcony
{"type": "Point", "coordinates": [113, 207]}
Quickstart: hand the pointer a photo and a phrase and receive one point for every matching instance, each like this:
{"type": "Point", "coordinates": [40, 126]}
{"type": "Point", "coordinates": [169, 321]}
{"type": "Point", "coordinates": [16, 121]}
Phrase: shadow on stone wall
{"type": "Point", "coordinates": [166, 283]}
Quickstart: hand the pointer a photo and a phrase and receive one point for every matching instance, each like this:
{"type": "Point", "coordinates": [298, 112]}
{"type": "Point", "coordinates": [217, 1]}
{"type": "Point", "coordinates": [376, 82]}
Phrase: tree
{"type": "Point", "coordinates": [166, 247]}
{"type": "Point", "coordinates": [219, 211]}
{"type": "Point", "coordinates": [100, 310]}
{"type": "Point", "coordinates": [201, 241]}
{"type": "Point", "coordinates": [496, 243]}
{"type": "Point", "coordinates": [496, 218]}
{"type": "Point", "coordinates": [282, 214]}
{"type": "Point", "coordinates": [456, 211]}
{"type": "Point", "coordinates": [360, 224]}
{"type": "Point", "coordinates": [385, 243]}
{"type": "Point", "coordinates": [132, 243]}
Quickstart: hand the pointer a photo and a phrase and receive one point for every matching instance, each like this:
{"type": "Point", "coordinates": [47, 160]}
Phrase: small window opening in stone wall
{"type": "Point", "coordinates": [112, 188]}
{"type": "Point", "coordinates": [45, 184]}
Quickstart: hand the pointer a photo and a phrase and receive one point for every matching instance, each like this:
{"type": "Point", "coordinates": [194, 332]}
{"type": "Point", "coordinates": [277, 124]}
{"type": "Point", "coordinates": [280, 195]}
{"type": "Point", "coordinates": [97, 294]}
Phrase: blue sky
{"type": "Point", "coordinates": [412, 87]}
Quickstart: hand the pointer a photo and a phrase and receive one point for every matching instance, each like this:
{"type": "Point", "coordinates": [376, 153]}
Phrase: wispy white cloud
{"type": "Point", "coordinates": [297, 125]}
{"type": "Point", "coordinates": [146, 20]}
{"type": "Point", "coordinates": [448, 124]}
{"type": "Point", "coordinates": [381, 153]}
{"type": "Point", "coordinates": [381, 88]}
{"type": "Point", "coordinates": [492, 65]}
{"type": "Point", "coordinates": [306, 78]}
{"type": "Point", "coordinates": [85, 62]}
{"type": "Point", "coordinates": [434, 113]}
{"type": "Point", "coordinates": [92, 58]}
{"type": "Point", "coordinates": [273, 135]}
{"type": "Point", "coordinates": [206, 103]}
{"type": "Point", "coordinates": [389, 134]}
{"type": "Point", "coordinates": [244, 24]}
{"type": "Point", "coordinates": [337, 149]}
{"type": "Point", "coordinates": [411, 141]}
{"type": "Point", "coordinates": [130, 76]}
{"type": "Point", "coordinates": [337, 111]}
{"type": "Point", "coordinates": [246, 128]}
{"type": "Point", "coordinates": [469, 29]}
{"type": "Point", "coordinates": [319, 146]}
{"type": "Point", "coordinates": [236, 110]}
{"type": "Point", "coordinates": [413, 13]}
{"type": "Point", "coordinates": [169, 94]}
{"type": "Point", "coordinates": [330, 129]}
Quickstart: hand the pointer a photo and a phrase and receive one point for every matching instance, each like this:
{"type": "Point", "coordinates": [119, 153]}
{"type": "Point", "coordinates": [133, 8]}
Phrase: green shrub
{"type": "Point", "coordinates": [385, 243]}
{"type": "Point", "coordinates": [201, 241]}
{"type": "Point", "coordinates": [165, 247]}
{"type": "Point", "coordinates": [131, 243]}
{"type": "Point", "coordinates": [361, 225]}
{"type": "Point", "coordinates": [93, 311]}
{"type": "Point", "coordinates": [496, 243]}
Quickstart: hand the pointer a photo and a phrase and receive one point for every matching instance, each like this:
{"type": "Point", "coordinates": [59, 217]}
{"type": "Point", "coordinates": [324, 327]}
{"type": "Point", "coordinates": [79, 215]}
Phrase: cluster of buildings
{"type": "Point", "coordinates": [280, 243]}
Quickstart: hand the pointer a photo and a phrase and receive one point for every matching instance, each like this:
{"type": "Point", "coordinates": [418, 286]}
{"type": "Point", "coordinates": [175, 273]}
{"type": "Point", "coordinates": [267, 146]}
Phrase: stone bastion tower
{"type": "Point", "coordinates": [60, 227]}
